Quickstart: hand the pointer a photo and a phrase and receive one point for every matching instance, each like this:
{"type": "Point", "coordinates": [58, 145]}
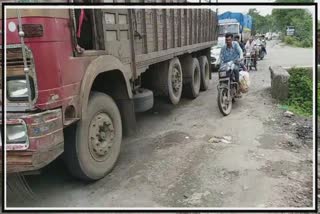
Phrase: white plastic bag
{"type": "Point", "coordinates": [244, 81]}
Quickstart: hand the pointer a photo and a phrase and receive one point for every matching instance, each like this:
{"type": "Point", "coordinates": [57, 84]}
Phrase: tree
{"type": "Point", "coordinates": [261, 24]}
{"type": "Point", "coordinates": [301, 19]}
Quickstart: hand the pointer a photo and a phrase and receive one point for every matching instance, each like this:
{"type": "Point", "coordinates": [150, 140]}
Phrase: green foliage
{"type": "Point", "coordinates": [294, 41]}
{"type": "Point", "coordinates": [289, 40]}
{"type": "Point", "coordinates": [300, 92]}
{"type": "Point", "coordinates": [301, 19]}
{"type": "Point", "coordinates": [261, 24]}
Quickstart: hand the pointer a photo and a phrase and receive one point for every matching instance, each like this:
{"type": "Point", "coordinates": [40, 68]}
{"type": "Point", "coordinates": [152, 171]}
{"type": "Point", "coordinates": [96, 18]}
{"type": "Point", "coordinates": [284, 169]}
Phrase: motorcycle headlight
{"type": "Point", "coordinates": [17, 89]}
{"type": "Point", "coordinates": [17, 134]}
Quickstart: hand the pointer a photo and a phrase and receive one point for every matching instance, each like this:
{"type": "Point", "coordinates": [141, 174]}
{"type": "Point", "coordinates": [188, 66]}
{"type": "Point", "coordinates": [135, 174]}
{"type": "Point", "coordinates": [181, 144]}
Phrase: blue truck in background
{"type": "Point", "coordinates": [235, 23]}
{"type": "Point", "coordinates": [229, 22]}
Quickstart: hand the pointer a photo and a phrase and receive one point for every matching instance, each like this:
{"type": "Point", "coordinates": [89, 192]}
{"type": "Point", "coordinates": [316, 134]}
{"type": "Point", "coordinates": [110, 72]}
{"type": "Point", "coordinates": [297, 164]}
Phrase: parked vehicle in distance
{"type": "Point", "coordinates": [215, 54]}
{"type": "Point", "coordinates": [269, 36]}
{"type": "Point", "coordinates": [290, 30]}
{"type": "Point", "coordinates": [275, 36]}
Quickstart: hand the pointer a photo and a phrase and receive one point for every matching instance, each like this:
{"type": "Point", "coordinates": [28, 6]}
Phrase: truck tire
{"type": "Point", "coordinates": [205, 73]}
{"type": "Point", "coordinates": [192, 78]}
{"type": "Point", "coordinates": [171, 80]}
{"type": "Point", "coordinates": [96, 146]}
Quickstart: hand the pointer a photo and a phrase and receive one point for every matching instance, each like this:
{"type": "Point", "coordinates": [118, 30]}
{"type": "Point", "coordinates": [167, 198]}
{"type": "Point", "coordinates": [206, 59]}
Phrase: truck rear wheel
{"type": "Point", "coordinates": [169, 80]}
{"type": "Point", "coordinates": [205, 73]}
{"type": "Point", "coordinates": [96, 147]}
{"type": "Point", "coordinates": [192, 78]}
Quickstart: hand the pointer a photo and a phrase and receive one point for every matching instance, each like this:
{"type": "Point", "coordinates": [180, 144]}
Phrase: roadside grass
{"type": "Point", "coordinates": [300, 92]}
{"type": "Point", "coordinates": [293, 41]}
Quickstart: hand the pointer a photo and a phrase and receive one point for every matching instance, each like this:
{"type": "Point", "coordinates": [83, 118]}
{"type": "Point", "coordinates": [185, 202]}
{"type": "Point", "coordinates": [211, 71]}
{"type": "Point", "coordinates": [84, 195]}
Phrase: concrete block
{"type": "Point", "coordinates": [279, 83]}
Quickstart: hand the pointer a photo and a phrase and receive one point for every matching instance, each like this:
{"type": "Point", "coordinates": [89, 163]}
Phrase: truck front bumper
{"type": "Point", "coordinates": [43, 144]}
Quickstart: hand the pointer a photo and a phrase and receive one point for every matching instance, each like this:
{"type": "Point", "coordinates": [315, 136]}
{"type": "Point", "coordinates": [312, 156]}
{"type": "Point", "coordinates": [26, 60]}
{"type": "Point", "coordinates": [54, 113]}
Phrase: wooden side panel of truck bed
{"type": "Point", "coordinates": [159, 34]}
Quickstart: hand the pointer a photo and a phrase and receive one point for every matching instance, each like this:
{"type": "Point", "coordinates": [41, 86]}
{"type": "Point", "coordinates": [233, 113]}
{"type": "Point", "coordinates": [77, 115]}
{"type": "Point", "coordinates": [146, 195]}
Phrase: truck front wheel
{"type": "Point", "coordinates": [96, 147]}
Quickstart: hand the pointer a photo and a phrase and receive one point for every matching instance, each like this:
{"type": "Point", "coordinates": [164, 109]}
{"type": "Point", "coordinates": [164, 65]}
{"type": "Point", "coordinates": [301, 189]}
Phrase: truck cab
{"type": "Point", "coordinates": [229, 26]}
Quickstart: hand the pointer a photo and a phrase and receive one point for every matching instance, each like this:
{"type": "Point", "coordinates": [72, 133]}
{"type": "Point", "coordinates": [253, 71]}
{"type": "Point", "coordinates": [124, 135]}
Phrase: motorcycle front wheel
{"type": "Point", "coordinates": [224, 104]}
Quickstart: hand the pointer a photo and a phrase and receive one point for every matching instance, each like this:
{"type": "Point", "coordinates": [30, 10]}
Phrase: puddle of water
{"type": "Point", "coordinates": [172, 138]}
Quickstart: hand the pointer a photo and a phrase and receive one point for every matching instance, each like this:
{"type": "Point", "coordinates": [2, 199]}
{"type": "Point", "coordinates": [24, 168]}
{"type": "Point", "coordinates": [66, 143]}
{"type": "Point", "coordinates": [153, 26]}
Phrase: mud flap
{"type": "Point", "coordinates": [128, 117]}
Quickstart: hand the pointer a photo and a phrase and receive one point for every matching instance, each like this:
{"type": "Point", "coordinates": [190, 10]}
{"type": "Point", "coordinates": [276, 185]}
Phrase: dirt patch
{"type": "Point", "coordinates": [301, 197]}
{"type": "Point", "coordinates": [171, 138]}
{"type": "Point", "coordinates": [277, 169]}
{"type": "Point", "coordinates": [275, 141]}
{"type": "Point", "coordinates": [298, 127]}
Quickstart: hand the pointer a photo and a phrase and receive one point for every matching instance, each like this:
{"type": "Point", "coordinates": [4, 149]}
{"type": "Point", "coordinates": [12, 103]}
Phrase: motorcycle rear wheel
{"type": "Point", "coordinates": [225, 105]}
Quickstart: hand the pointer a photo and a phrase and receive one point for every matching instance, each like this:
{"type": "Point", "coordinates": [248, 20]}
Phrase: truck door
{"type": "Point", "coordinates": [116, 33]}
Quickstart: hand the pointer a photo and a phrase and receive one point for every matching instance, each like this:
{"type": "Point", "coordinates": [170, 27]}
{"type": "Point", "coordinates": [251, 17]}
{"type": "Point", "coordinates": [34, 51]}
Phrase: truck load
{"type": "Point", "coordinates": [79, 104]}
{"type": "Point", "coordinates": [235, 23]}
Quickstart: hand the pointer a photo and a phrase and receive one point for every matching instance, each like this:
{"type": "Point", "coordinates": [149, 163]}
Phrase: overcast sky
{"type": "Point", "coordinates": [265, 10]}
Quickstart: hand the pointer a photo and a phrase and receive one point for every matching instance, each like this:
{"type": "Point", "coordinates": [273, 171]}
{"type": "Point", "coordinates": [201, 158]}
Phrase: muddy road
{"type": "Point", "coordinates": [172, 161]}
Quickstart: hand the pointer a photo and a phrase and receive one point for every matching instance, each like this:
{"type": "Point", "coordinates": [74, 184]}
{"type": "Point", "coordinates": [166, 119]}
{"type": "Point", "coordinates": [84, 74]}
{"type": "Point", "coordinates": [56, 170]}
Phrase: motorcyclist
{"type": "Point", "coordinates": [237, 39]}
{"type": "Point", "coordinates": [231, 51]}
{"type": "Point", "coordinates": [264, 44]}
{"type": "Point", "coordinates": [251, 48]}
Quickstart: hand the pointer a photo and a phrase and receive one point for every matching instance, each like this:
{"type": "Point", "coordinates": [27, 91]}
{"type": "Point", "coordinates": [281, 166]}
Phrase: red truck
{"type": "Point", "coordinates": [61, 101]}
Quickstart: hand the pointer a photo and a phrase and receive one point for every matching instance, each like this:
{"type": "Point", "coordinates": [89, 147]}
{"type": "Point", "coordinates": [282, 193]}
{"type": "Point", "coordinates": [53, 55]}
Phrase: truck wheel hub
{"type": "Point", "coordinates": [101, 135]}
{"type": "Point", "coordinates": [176, 80]}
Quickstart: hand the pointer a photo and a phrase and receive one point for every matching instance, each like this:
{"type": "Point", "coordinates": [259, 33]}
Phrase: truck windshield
{"type": "Point", "coordinates": [229, 28]}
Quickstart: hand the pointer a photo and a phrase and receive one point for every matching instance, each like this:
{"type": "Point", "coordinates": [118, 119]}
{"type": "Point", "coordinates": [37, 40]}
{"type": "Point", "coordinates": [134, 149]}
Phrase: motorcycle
{"type": "Point", "coordinates": [227, 87]}
{"type": "Point", "coordinates": [262, 51]}
{"type": "Point", "coordinates": [249, 60]}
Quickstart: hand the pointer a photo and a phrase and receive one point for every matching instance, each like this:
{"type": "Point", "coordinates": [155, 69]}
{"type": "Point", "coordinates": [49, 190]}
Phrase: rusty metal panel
{"type": "Point", "coordinates": [176, 27]}
{"type": "Point", "coordinates": [186, 27]}
{"type": "Point", "coordinates": [138, 29]}
{"type": "Point", "coordinates": [200, 26]}
{"type": "Point", "coordinates": [116, 33]}
{"type": "Point", "coordinates": [169, 28]}
{"type": "Point", "coordinates": [150, 31]}
{"type": "Point", "coordinates": [144, 31]}
{"type": "Point", "coordinates": [157, 31]}
{"type": "Point", "coordinates": [160, 29]}
{"type": "Point", "coordinates": [165, 29]}
{"type": "Point", "coordinates": [190, 24]}
{"type": "Point", "coordinates": [180, 21]}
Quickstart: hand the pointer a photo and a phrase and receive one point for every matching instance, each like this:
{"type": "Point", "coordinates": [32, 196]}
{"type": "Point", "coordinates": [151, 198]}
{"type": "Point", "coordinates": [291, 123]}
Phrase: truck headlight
{"type": "Point", "coordinates": [17, 134]}
{"type": "Point", "coordinates": [17, 89]}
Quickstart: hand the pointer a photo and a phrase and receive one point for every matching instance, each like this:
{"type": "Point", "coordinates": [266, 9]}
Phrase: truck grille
{"type": "Point", "coordinates": [15, 62]}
